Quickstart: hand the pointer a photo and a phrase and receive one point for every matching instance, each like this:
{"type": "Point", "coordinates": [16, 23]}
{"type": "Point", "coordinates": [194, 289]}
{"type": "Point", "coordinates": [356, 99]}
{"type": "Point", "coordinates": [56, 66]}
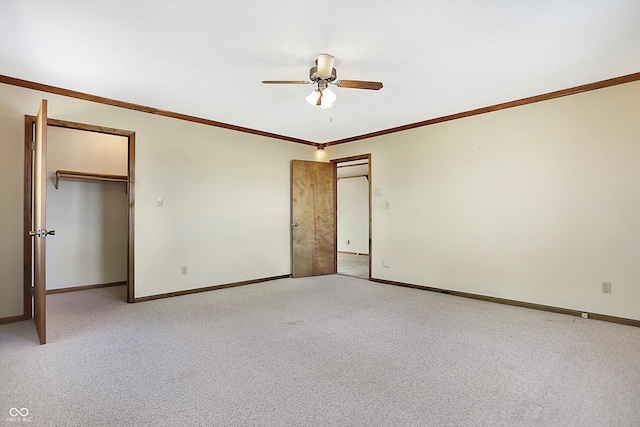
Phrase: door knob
{"type": "Point", "coordinates": [42, 233]}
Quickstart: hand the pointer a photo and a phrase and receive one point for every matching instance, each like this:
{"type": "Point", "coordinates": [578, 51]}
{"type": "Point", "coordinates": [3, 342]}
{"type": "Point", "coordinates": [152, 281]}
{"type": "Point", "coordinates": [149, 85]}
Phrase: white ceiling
{"type": "Point", "coordinates": [207, 58]}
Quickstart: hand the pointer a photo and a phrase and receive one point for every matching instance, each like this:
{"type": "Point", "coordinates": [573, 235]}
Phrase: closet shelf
{"type": "Point", "coordinates": [88, 176]}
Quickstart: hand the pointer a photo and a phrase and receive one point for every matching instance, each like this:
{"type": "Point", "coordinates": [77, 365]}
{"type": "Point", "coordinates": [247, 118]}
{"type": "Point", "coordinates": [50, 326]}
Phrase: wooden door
{"type": "Point", "coordinates": [313, 214]}
{"type": "Point", "coordinates": [39, 230]}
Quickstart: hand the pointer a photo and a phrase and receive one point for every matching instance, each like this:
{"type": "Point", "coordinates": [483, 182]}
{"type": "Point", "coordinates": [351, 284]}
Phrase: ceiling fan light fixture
{"type": "Point", "coordinates": [325, 65]}
{"type": "Point", "coordinates": [323, 98]}
{"type": "Point", "coordinates": [312, 99]}
{"type": "Point", "coordinates": [328, 98]}
{"type": "Point", "coordinates": [325, 105]}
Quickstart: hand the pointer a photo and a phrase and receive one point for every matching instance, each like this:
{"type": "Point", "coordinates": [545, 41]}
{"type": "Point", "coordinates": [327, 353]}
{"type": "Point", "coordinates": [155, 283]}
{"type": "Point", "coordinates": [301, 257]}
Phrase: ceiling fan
{"type": "Point", "coordinates": [324, 74]}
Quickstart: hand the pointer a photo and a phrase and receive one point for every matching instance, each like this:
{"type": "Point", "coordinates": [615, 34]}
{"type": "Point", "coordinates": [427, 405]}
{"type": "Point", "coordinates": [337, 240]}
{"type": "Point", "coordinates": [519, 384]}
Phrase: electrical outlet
{"type": "Point", "coordinates": [606, 287]}
{"type": "Point", "coordinates": [585, 315]}
{"type": "Point", "coordinates": [184, 269]}
{"type": "Point", "coordinates": [385, 263]}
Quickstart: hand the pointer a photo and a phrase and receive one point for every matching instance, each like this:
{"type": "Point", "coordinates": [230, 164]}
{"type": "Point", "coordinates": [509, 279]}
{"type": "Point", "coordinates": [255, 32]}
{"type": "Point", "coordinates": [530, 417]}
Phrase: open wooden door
{"type": "Point", "coordinates": [39, 230]}
{"type": "Point", "coordinates": [313, 214]}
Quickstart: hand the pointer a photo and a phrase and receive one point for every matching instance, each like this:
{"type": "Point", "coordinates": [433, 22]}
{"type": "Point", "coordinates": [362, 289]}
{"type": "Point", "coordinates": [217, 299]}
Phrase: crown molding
{"type": "Point", "coordinates": [142, 108]}
{"type": "Point", "coordinates": [151, 110]}
{"type": "Point", "coordinates": [524, 101]}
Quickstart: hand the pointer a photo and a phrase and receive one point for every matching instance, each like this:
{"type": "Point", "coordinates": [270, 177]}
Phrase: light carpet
{"type": "Point", "coordinates": [353, 265]}
{"type": "Point", "coordinates": [320, 351]}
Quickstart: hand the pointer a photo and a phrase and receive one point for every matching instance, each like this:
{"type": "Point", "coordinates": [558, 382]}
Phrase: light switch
{"type": "Point", "coordinates": [159, 202]}
{"type": "Point", "coordinates": [378, 191]}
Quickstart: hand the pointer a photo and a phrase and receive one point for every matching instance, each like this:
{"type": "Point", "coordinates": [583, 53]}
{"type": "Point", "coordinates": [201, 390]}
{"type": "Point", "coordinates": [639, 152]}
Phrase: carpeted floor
{"type": "Point", "coordinates": [320, 351]}
{"type": "Point", "coordinates": [353, 265]}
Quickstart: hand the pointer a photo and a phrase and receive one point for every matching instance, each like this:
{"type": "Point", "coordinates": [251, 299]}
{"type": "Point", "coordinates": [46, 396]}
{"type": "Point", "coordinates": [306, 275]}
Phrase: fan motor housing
{"type": "Point", "coordinates": [315, 77]}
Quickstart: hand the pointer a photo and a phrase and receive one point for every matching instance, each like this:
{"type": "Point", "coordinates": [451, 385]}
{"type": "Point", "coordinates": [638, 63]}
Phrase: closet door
{"type": "Point", "coordinates": [39, 230]}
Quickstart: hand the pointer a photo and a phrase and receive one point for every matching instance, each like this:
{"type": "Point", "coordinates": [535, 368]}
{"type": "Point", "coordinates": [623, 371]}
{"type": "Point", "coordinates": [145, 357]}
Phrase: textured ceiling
{"type": "Point", "coordinates": [207, 58]}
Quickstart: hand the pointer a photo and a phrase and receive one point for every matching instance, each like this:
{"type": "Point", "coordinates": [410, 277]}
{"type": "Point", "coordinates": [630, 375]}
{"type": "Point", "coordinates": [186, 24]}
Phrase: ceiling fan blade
{"type": "Point", "coordinates": [286, 82]}
{"type": "Point", "coordinates": [359, 84]}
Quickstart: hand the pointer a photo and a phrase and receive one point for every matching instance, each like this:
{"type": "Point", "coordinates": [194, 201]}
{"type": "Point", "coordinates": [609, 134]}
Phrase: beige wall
{"type": "Point", "coordinates": [539, 203]}
{"type": "Point", "coordinates": [226, 197]}
{"type": "Point", "coordinates": [353, 214]}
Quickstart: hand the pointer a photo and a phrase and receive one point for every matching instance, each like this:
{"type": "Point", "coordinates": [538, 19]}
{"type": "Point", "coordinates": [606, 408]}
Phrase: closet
{"type": "Point", "coordinates": [87, 206]}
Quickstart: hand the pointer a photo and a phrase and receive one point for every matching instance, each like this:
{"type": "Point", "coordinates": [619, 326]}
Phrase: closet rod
{"type": "Point", "coordinates": [88, 176]}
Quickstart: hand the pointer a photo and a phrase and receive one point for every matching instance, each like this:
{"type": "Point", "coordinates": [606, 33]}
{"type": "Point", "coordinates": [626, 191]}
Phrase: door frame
{"type": "Point", "coordinates": [29, 123]}
{"type": "Point", "coordinates": [350, 159]}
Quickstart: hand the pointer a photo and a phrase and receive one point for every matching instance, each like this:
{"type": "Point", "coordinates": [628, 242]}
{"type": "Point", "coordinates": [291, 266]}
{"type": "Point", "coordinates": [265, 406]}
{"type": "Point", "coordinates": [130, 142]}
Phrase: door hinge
{"type": "Point", "coordinates": [33, 146]}
{"type": "Point", "coordinates": [32, 291]}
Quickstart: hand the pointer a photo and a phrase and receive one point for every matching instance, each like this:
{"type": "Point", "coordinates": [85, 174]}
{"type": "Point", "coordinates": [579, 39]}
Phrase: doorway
{"type": "Point", "coordinates": [354, 216]}
{"type": "Point", "coordinates": [87, 206]}
{"type": "Point", "coordinates": [128, 180]}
